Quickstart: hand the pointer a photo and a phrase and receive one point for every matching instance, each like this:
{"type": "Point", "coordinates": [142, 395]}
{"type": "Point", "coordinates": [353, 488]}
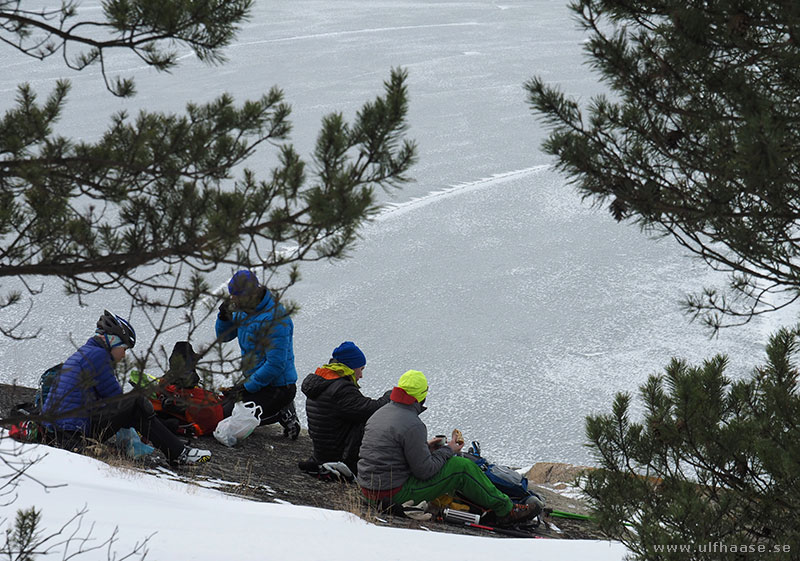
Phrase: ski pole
{"type": "Point", "coordinates": [504, 531]}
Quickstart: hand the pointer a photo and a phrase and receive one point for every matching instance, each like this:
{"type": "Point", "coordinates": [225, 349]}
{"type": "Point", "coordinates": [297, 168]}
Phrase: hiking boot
{"type": "Point", "coordinates": [338, 470]}
{"type": "Point", "coordinates": [310, 466]}
{"type": "Point", "coordinates": [518, 514]}
{"type": "Point", "coordinates": [416, 511]}
{"type": "Point", "coordinates": [536, 505]}
{"type": "Point", "coordinates": [192, 456]}
{"type": "Point", "coordinates": [290, 422]}
{"type": "Point", "coordinates": [292, 429]}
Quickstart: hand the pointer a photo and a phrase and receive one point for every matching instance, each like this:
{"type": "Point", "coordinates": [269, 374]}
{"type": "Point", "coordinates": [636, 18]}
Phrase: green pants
{"type": "Point", "coordinates": [458, 475]}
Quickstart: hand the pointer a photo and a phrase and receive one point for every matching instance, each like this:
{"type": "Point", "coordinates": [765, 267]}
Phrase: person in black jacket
{"type": "Point", "coordinates": [336, 409]}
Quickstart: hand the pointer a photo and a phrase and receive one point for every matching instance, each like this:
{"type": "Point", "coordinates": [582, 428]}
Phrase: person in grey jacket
{"type": "Point", "coordinates": [397, 463]}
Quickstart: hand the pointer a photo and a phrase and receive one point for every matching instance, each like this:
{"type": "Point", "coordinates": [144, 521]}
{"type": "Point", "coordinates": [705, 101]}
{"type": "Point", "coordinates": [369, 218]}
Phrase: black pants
{"type": "Point", "coordinates": [352, 445]}
{"type": "Point", "coordinates": [277, 403]}
{"type": "Point", "coordinates": [134, 411]}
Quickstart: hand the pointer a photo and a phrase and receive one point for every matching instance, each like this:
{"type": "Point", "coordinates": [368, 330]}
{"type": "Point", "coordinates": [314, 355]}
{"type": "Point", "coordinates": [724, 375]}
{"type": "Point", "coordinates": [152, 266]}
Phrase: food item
{"type": "Point", "coordinates": [458, 437]}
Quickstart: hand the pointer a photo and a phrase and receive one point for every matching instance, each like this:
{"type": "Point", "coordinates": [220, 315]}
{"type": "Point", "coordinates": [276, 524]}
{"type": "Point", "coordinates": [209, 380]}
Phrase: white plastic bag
{"type": "Point", "coordinates": [244, 418]}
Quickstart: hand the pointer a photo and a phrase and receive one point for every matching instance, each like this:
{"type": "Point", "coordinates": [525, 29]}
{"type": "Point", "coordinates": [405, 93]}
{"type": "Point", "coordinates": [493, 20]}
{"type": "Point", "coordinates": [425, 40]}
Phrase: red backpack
{"type": "Point", "coordinates": [197, 410]}
{"type": "Point", "coordinates": [183, 406]}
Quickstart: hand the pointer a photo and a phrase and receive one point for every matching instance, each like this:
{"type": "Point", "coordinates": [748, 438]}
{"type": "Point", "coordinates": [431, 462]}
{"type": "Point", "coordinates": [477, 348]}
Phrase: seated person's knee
{"type": "Point", "coordinates": [145, 406]}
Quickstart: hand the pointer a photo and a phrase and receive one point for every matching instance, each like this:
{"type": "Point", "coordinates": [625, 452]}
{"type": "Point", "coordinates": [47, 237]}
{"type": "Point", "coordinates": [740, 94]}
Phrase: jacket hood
{"type": "Point", "coordinates": [337, 370]}
{"type": "Point", "coordinates": [97, 341]}
{"type": "Point", "coordinates": [400, 396]}
{"type": "Point", "coordinates": [316, 383]}
{"type": "Point", "coordinates": [266, 304]}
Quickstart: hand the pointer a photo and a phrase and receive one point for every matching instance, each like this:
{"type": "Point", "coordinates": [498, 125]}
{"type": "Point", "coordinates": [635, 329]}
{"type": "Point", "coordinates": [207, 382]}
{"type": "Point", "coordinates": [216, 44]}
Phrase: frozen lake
{"type": "Point", "coordinates": [526, 308]}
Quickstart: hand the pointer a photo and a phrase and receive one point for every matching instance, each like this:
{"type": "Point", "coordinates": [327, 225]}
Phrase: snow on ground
{"type": "Point", "coordinates": [185, 522]}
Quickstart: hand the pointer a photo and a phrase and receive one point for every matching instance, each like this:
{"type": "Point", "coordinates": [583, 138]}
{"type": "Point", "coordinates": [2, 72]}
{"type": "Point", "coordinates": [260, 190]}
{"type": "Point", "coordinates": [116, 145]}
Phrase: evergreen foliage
{"type": "Point", "coordinates": [26, 540]}
{"type": "Point", "coordinates": [699, 139]}
{"type": "Point", "coordinates": [162, 199]}
{"type": "Point", "coordinates": [712, 461]}
{"type": "Point", "coordinates": [23, 538]}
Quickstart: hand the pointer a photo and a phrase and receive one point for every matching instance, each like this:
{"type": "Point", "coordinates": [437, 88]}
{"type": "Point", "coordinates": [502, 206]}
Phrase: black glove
{"type": "Point", "coordinates": [225, 312]}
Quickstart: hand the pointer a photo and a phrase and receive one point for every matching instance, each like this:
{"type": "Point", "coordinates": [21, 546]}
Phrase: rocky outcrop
{"type": "Point", "coordinates": [555, 474]}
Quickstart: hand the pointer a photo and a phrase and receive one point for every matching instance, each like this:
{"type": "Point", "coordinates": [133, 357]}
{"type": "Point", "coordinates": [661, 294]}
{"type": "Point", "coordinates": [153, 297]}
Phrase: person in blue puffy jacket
{"type": "Point", "coordinates": [265, 333]}
{"type": "Point", "coordinates": [85, 399]}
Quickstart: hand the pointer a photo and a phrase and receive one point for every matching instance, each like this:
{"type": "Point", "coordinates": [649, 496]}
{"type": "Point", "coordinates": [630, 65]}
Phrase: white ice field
{"type": "Point", "coordinates": [526, 308]}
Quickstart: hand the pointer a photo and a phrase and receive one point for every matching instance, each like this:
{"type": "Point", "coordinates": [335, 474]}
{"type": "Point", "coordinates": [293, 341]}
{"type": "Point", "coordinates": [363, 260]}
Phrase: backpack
{"type": "Point", "coordinates": [46, 381]}
{"type": "Point", "coordinates": [510, 482]}
{"type": "Point", "coordinates": [200, 409]}
{"type": "Point", "coordinates": [185, 411]}
{"type": "Point", "coordinates": [31, 430]}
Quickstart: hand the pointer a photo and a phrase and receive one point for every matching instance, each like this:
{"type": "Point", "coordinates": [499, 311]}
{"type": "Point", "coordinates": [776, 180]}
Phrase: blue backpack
{"type": "Point", "coordinates": [45, 383]}
{"type": "Point", "coordinates": [510, 482]}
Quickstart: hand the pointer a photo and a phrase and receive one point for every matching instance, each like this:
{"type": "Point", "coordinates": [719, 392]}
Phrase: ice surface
{"type": "Point", "coordinates": [526, 308]}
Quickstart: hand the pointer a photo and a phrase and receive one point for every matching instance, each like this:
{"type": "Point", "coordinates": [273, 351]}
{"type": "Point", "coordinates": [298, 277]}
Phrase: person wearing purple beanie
{"type": "Point", "coordinates": [336, 409]}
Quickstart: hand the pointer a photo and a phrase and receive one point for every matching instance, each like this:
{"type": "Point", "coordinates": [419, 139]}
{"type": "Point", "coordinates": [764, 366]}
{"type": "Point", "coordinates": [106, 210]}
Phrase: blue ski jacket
{"type": "Point", "coordinates": [86, 377]}
{"type": "Point", "coordinates": [266, 340]}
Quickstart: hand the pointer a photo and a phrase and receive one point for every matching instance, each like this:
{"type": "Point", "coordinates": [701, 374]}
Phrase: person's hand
{"type": "Point", "coordinates": [456, 442]}
{"type": "Point", "coordinates": [225, 311]}
{"type": "Point", "coordinates": [234, 391]}
{"type": "Point", "coordinates": [435, 443]}
{"type": "Point", "coordinates": [455, 446]}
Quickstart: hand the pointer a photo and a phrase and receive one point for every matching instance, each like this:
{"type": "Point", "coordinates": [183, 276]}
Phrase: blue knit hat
{"type": "Point", "coordinates": [348, 354]}
{"type": "Point", "coordinates": [242, 282]}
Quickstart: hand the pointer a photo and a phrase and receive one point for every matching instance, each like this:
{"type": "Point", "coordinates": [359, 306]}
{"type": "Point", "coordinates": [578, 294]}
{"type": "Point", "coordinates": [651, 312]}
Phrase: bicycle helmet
{"type": "Point", "coordinates": [109, 324]}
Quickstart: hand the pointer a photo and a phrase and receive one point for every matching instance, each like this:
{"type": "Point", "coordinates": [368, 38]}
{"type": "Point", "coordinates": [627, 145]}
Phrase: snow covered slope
{"type": "Point", "coordinates": [175, 521]}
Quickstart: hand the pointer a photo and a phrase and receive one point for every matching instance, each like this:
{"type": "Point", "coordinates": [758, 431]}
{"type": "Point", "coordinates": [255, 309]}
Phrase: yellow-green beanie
{"type": "Point", "coordinates": [414, 384]}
